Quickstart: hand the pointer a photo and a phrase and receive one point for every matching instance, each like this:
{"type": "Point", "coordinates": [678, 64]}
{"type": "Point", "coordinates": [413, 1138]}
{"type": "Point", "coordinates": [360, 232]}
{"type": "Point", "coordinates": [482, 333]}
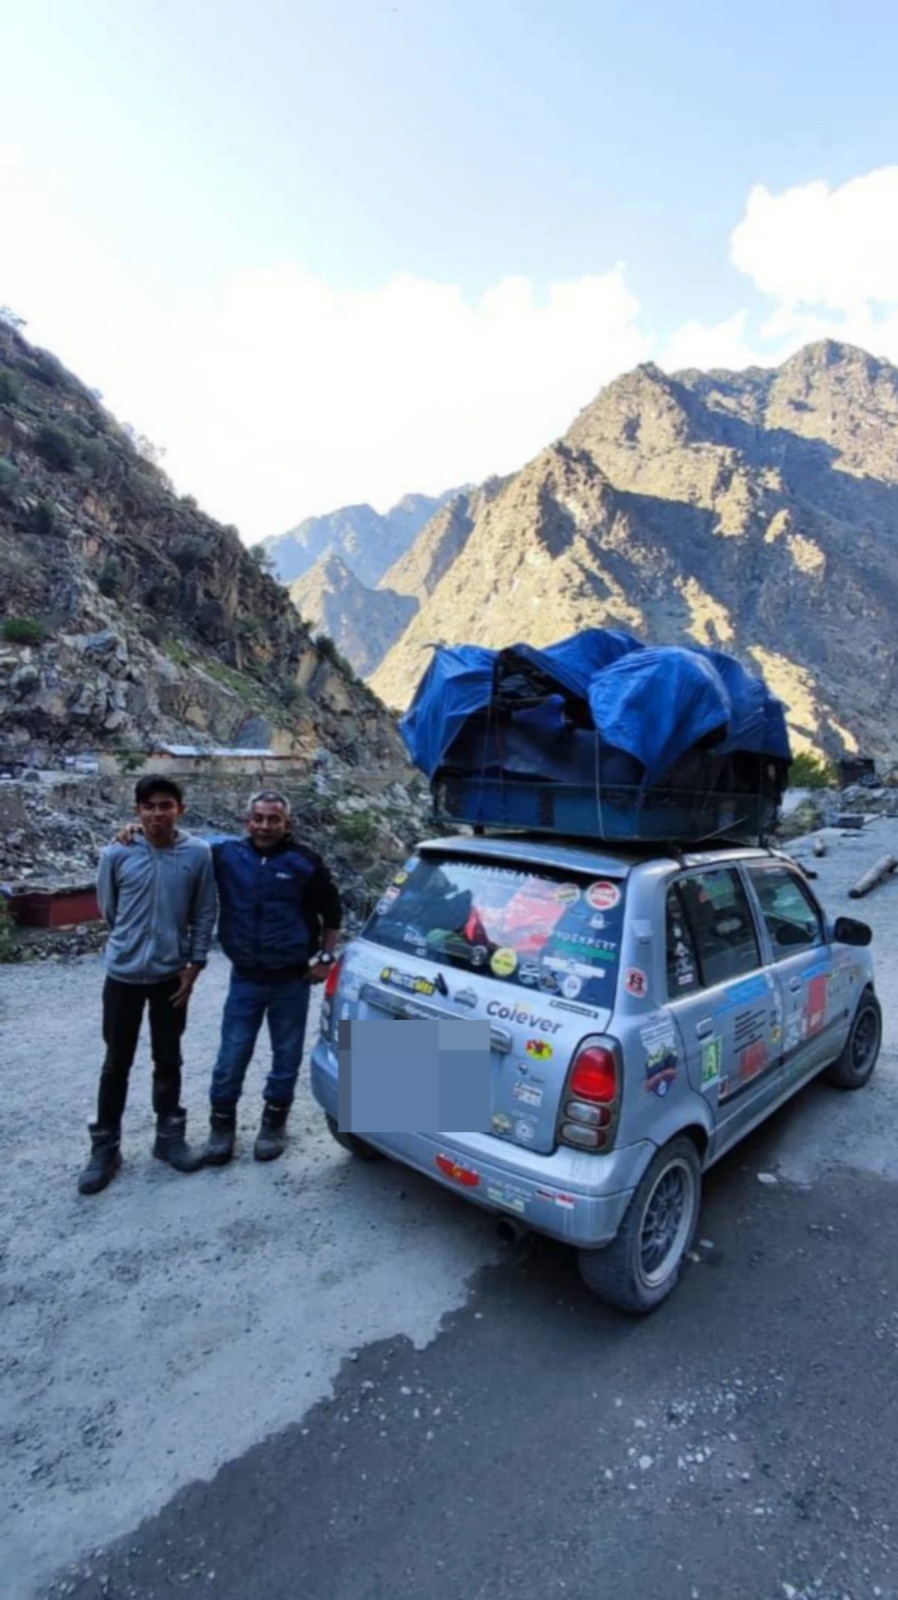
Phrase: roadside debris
{"type": "Point", "coordinates": [881, 869]}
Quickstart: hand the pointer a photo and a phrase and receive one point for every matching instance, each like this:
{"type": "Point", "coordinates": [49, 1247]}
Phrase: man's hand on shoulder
{"type": "Point", "coordinates": [128, 834]}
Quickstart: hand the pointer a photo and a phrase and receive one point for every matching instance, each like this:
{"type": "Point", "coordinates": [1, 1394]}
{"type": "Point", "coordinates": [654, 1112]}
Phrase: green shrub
{"type": "Point", "coordinates": [187, 553]}
{"type": "Point", "coordinates": [43, 517]}
{"type": "Point", "coordinates": [189, 501]}
{"type": "Point", "coordinates": [10, 387]}
{"type": "Point", "coordinates": [810, 771]}
{"type": "Point", "coordinates": [56, 447]}
{"type": "Point", "coordinates": [110, 576]}
{"type": "Point", "coordinates": [359, 828]}
{"type": "Point", "coordinates": [23, 630]}
{"type": "Point", "coordinates": [95, 455]}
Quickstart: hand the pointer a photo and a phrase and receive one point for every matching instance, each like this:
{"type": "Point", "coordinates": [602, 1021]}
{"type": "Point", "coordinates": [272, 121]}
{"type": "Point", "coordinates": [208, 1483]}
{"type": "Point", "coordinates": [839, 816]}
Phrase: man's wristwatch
{"type": "Point", "coordinates": [324, 958]}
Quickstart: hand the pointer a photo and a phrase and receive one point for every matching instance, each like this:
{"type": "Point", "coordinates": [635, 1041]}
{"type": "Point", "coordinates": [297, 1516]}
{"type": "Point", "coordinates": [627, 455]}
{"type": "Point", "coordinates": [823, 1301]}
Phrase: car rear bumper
{"type": "Point", "coordinates": [569, 1195]}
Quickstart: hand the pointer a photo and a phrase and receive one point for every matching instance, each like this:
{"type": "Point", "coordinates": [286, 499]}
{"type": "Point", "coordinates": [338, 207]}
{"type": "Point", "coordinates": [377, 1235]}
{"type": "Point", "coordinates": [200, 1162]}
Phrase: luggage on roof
{"type": "Point", "coordinates": [600, 736]}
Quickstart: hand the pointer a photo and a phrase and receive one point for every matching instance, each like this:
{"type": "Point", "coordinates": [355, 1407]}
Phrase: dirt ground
{"type": "Point", "coordinates": [153, 1332]}
{"type": "Point", "coordinates": [156, 1331]}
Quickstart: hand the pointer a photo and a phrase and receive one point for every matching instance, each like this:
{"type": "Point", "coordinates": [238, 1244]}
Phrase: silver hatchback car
{"type": "Point", "coordinates": [645, 1012]}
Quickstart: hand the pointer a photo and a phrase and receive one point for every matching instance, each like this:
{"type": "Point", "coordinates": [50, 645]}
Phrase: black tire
{"type": "Point", "coordinates": [662, 1216]}
{"type": "Point", "coordinates": [854, 1066]}
{"type": "Point", "coordinates": [349, 1141]}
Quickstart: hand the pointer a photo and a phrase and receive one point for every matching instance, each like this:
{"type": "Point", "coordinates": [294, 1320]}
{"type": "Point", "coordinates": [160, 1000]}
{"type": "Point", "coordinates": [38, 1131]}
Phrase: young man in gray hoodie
{"type": "Point", "coordinates": [158, 898]}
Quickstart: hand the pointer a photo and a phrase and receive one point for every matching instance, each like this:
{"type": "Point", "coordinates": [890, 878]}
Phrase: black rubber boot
{"type": "Point", "coordinates": [271, 1140]}
{"type": "Point", "coordinates": [171, 1146]}
{"type": "Point", "coordinates": [105, 1160]}
{"type": "Point", "coordinates": [220, 1143]}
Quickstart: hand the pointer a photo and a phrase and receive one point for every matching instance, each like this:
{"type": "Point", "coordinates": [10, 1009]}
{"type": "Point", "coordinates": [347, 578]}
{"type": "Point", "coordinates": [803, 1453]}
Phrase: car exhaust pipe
{"type": "Point", "coordinates": [510, 1231]}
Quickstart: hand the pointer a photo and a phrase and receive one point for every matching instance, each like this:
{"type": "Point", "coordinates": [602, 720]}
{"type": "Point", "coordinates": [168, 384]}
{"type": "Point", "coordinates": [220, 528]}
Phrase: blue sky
{"type": "Point", "coordinates": [414, 238]}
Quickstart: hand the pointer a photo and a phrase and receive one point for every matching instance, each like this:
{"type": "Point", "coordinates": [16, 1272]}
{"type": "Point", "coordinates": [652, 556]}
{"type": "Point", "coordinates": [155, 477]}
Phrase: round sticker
{"type": "Point", "coordinates": [524, 1130]}
{"type": "Point", "coordinates": [478, 955]}
{"type": "Point", "coordinates": [571, 987]}
{"type": "Point", "coordinates": [603, 896]}
{"type": "Point", "coordinates": [636, 982]}
{"type": "Point", "coordinates": [540, 1049]}
{"type": "Point", "coordinates": [383, 906]}
{"type": "Point", "coordinates": [503, 962]}
{"type": "Point", "coordinates": [567, 894]}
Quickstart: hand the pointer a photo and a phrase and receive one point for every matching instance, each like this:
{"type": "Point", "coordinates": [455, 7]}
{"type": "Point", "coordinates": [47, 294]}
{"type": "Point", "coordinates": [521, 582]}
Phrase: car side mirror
{"type": "Point", "coordinates": [847, 930]}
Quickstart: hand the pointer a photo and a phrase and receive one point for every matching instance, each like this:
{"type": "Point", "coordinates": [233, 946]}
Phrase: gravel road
{"type": "Point", "coordinates": [153, 1333]}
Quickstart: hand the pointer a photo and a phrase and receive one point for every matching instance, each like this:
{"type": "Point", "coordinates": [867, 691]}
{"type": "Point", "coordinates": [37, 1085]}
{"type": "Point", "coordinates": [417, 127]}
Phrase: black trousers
{"type": "Point", "coordinates": [123, 1005]}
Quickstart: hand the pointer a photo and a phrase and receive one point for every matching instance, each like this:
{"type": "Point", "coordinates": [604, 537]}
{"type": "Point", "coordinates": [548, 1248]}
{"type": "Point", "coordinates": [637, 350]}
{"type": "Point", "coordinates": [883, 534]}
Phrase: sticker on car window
{"type": "Point", "coordinates": [503, 962]}
{"type": "Point", "coordinates": [603, 896]}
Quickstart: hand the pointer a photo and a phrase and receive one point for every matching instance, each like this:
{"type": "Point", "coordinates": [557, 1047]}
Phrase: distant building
{"type": "Point", "coordinates": [195, 758]}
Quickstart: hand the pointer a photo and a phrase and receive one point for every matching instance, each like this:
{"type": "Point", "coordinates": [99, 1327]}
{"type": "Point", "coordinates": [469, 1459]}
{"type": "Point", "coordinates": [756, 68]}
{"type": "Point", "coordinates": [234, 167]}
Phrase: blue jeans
{"type": "Point", "coordinates": [286, 1005]}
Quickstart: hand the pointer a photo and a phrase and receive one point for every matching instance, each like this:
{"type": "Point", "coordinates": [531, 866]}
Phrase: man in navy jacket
{"type": "Point", "coordinates": [279, 920]}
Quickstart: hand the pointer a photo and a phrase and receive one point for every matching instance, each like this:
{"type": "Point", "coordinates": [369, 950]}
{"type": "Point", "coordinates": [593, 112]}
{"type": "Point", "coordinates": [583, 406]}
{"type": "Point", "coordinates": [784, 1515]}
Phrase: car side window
{"type": "Point", "coordinates": [792, 918]}
{"type": "Point", "coordinates": [682, 961]}
{"type": "Point", "coordinates": [722, 925]}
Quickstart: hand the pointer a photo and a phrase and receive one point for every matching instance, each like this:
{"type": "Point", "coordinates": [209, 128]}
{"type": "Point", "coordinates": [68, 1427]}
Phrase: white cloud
{"type": "Point", "coordinates": [827, 258]}
{"type": "Point", "coordinates": [281, 395]}
{"type": "Point", "coordinates": [715, 344]}
{"type": "Point", "coordinates": [816, 246]}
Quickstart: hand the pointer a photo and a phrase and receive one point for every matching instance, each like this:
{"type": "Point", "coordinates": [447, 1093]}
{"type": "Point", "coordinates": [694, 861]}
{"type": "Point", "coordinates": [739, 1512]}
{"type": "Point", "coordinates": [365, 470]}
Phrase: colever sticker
{"type": "Point", "coordinates": [528, 1094]}
{"type": "Point", "coordinates": [567, 894]}
{"type": "Point", "coordinates": [603, 896]}
{"type": "Point", "coordinates": [527, 1019]}
{"type": "Point", "coordinates": [712, 1058]}
{"type": "Point", "coordinates": [636, 982]}
{"type": "Point", "coordinates": [540, 1049]}
{"type": "Point", "coordinates": [524, 1130]}
{"type": "Point", "coordinates": [503, 962]}
{"type": "Point", "coordinates": [571, 986]}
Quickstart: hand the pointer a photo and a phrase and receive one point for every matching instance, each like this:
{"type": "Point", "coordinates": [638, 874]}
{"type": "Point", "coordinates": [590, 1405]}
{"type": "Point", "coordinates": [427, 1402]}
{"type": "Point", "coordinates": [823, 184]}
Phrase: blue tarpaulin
{"type": "Point", "coordinates": [653, 704]}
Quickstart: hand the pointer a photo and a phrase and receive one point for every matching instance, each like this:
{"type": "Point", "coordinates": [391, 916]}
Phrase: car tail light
{"type": "Point", "coordinates": [592, 1097]}
{"type": "Point", "coordinates": [327, 1002]}
{"type": "Point", "coordinates": [595, 1074]}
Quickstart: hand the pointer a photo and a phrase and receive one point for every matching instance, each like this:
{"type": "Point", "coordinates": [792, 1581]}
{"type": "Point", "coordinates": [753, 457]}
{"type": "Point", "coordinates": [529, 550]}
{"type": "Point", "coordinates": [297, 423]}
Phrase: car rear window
{"type": "Point", "coordinates": [522, 926]}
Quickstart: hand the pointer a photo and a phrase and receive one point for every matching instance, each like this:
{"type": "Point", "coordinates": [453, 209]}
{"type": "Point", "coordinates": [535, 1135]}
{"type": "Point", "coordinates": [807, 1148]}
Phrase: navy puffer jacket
{"type": "Point", "coordinates": [272, 906]}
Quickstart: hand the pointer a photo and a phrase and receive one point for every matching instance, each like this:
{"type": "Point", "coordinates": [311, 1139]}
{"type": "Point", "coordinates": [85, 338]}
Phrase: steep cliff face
{"type": "Point", "coordinates": [757, 511]}
{"type": "Point", "coordinates": [128, 615]}
{"type": "Point", "coordinates": [363, 623]}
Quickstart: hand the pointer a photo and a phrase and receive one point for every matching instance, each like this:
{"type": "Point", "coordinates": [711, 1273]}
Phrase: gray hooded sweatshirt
{"type": "Point", "coordinates": [160, 906]}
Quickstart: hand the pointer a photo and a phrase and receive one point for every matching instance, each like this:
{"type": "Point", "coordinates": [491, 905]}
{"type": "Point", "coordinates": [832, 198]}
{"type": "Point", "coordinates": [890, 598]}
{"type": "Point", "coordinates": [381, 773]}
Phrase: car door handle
{"type": "Point", "coordinates": [795, 984]}
{"type": "Point", "coordinates": [704, 1027]}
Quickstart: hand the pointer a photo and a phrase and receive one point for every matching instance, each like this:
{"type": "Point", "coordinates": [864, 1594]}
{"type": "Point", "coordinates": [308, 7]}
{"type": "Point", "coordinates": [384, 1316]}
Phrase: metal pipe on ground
{"type": "Point", "coordinates": [881, 869]}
